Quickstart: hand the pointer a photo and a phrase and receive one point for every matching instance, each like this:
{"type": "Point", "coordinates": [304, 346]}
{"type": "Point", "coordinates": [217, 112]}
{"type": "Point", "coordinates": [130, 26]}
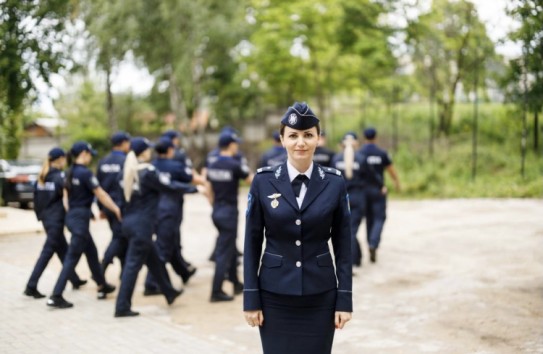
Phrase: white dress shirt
{"type": "Point", "coordinates": [293, 173]}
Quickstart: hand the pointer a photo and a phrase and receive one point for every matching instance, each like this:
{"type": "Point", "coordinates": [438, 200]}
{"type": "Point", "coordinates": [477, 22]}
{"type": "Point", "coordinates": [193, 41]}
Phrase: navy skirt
{"type": "Point", "coordinates": [298, 324]}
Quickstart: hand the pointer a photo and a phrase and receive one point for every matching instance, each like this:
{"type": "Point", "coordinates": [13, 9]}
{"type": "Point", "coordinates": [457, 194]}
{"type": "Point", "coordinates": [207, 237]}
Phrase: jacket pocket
{"type": "Point", "coordinates": [325, 260]}
{"type": "Point", "coordinates": [270, 260]}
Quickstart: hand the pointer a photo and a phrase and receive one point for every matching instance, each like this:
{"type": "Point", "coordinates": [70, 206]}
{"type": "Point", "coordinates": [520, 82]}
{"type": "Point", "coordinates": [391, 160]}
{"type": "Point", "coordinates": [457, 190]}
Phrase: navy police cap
{"type": "Point", "coordinates": [300, 117]}
{"type": "Point", "coordinates": [139, 145]}
{"type": "Point", "coordinates": [370, 133]}
{"type": "Point", "coordinates": [119, 137]}
{"type": "Point", "coordinates": [55, 153]}
{"type": "Point", "coordinates": [171, 134]}
{"type": "Point", "coordinates": [351, 134]}
{"type": "Point", "coordinates": [80, 146]}
{"type": "Point", "coordinates": [163, 145]}
{"type": "Point", "coordinates": [226, 138]}
{"type": "Point", "coordinates": [277, 136]}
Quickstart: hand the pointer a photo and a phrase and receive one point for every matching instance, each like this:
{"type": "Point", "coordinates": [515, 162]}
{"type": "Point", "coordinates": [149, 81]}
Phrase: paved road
{"type": "Point", "coordinates": [458, 276]}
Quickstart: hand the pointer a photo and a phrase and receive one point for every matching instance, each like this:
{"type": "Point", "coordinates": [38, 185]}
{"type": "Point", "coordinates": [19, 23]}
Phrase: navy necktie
{"type": "Point", "coordinates": [297, 184]}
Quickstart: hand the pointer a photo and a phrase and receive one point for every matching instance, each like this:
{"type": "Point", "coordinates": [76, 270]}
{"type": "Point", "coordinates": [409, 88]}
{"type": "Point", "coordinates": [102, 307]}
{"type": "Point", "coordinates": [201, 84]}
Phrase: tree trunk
{"type": "Point", "coordinates": [111, 118]}
{"type": "Point", "coordinates": [177, 105]}
{"type": "Point", "coordinates": [536, 131]}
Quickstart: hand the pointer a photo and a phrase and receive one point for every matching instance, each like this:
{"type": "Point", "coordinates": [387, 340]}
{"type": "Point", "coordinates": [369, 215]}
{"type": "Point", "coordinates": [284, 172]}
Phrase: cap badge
{"type": "Point", "coordinates": [292, 119]}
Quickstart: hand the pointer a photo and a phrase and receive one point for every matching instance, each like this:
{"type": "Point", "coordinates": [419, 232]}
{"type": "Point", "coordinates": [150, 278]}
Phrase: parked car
{"type": "Point", "coordinates": [17, 178]}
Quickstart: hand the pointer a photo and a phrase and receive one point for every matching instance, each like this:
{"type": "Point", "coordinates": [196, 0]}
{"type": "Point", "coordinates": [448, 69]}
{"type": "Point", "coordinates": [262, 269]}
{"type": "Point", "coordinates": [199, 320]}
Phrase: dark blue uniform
{"type": "Point", "coordinates": [294, 281]}
{"type": "Point", "coordinates": [82, 184]}
{"type": "Point", "coordinates": [169, 219]}
{"type": "Point", "coordinates": [224, 175]}
{"type": "Point", "coordinates": [355, 187]}
{"type": "Point", "coordinates": [376, 160]}
{"type": "Point", "coordinates": [49, 209]}
{"type": "Point", "coordinates": [108, 174]}
{"type": "Point", "coordinates": [275, 156]}
{"type": "Point", "coordinates": [138, 224]}
{"type": "Point", "coordinates": [323, 156]}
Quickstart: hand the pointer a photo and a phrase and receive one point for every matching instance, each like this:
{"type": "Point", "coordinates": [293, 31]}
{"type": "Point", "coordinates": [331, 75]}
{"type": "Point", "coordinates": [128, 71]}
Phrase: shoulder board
{"type": "Point", "coordinates": [265, 169]}
{"type": "Point", "coordinates": [332, 171]}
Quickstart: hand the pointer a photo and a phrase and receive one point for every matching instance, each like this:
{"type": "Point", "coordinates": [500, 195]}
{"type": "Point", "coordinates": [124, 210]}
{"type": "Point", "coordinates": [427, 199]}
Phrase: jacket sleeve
{"type": "Point", "coordinates": [254, 236]}
{"type": "Point", "coordinates": [166, 185]}
{"type": "Point", "coordinates": [341, 241]}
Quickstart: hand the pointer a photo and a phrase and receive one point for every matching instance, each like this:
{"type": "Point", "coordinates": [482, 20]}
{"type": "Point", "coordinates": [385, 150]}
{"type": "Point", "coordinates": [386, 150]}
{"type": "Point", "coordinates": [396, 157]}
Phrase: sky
{"type": "Point", "coordinates": [129, 78]}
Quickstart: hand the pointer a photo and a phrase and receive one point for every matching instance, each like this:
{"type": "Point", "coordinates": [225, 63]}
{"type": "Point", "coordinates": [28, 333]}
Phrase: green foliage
{"type": "Point", "coordinates": [30, 33]}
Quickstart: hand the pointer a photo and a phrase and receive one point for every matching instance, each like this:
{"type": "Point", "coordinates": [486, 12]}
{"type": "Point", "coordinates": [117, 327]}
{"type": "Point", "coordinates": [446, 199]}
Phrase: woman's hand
{"type": "Point", "coordinates": [254, 318]}
{"type": "Point", "coordinates": [342, 318]}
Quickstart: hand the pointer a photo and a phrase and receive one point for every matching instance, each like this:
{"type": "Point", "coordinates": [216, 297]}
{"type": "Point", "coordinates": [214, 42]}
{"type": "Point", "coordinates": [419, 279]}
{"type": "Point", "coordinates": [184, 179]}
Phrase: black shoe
{"type": "Point", "coordinates": [191, 271]}
{"type": "Point", "coordinates": [79, 284]}
{"type": "Point", "coordinates": [33, 292]}
{"type": "Point", "coordinates": [59, 302]}
{"type": "Point", "coordinates": [238, 288]}
{"type": "Point", "coordinates": [220, 296]}
{"type": "Point", "coordinates": [151, 292]}
{"type": "Point", "coordinates": [171, 299]}
{"type": "Point", "coordinates": [104, 290]}
{"type": "Point", "coordinates": [373, 255]}
{"type": "Point", "coordinates": [126, 313]}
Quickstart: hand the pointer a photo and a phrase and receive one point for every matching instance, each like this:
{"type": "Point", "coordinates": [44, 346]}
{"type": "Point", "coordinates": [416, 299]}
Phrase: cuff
{"type": "Point", "coordinates": [344, 301]}
{"type": "Point", "coordinates": [251, 300]}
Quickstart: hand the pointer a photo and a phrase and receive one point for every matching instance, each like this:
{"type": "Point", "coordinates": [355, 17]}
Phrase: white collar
{"type": "Point", "coordinates": [293, 172]}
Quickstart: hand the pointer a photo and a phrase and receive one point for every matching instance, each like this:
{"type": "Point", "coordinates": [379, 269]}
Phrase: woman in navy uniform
{"type": "Point", "coordinates": [49, 208]}
{"type": "Point", "coordinates": [82, 187]}
{"type": "Point", "coordinates": [108, 171]}
{"type": "Point", "coordinates": [224, 175]}
{"type": "Point", "coordinates": [276, 155]}
{"type": "Point", "coordinates": [351, 164]}
{"type": "Point", "coordinates": [169, 214]}
{"type": "Point", "coordinates": [292, 290]}
{"type": "Point", "coordinates": [142, 187]}
{"type": "Point", "coordinates": [376, 161]}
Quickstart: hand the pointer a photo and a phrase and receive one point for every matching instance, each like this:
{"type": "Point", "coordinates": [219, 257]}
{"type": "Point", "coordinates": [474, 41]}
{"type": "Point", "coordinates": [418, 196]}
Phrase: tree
{"type": "Point", "coordinates": [529, 67]}
{"type": "Point", "coordinates": [31, 48]}
{"type": "Point", "coordinates": [446, 45]}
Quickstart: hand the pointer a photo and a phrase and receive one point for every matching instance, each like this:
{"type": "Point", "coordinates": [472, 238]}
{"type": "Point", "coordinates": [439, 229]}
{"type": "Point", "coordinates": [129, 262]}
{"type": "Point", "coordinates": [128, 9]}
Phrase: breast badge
{"type": "Point", "coordinates": [274, 202]}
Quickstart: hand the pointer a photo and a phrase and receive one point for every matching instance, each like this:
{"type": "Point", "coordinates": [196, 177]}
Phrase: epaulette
{"type": "Point", "coordinates": [265, 169]}
{"type": "Point", "coordinates": [332, 170]}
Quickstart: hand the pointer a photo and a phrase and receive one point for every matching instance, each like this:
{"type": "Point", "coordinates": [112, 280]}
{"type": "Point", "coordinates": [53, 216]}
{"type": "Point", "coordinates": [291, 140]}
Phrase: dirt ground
{"type": "Point", "coordinates": [453, 276]}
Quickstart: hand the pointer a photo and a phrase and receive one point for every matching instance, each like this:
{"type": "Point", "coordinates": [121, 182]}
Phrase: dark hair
{"type": "Point", "coordinates": [282, 129]}
{"type": "Point", "coordinates": [70, 158]}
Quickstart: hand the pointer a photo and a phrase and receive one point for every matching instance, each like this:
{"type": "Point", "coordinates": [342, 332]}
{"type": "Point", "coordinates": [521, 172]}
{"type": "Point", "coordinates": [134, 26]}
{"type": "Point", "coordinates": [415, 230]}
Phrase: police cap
{"type": "Point", "coordinates": [140, 144]}
{"type": "Point", "coordinates": [55, 153]}
{"type": "Point", "coordinates": [80, 146]}
{"type": "Point", "coordinates": [163, 144]}
{"type": "Point", "coordinates": [226, 138]}
{"type": "Point", "coordinates": [171, 134]}
{"type": "Point", "coordinates": [300, 117]}
{"type": "Point", "coordinates": [370, 133]}
{"type": "Point", "coordinates": [119, 137]}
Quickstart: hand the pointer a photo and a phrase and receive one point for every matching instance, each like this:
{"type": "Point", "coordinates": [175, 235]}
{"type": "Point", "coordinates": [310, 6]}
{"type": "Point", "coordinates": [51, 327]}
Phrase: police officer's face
{"type": "Point", "coordinates": [145, 156]}
{"type": "Point", "coordinates": [85, 157]}
{"type": "Point", "coordinates": [300, 144]}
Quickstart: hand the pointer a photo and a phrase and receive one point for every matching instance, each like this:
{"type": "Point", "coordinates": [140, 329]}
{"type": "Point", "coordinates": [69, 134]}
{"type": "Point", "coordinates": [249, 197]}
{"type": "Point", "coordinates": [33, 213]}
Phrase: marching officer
{"type": "Point", "coordinates": [350, 164]}
{"type": "Point", "coordinates": [169, 209]}
{"type": "Point", "coordinates": [49, 208]}
{"type": "Point", "coordinates": [276, 155]}
{"type": "Point", "coordinates": [142, 187]}
{"type": "Point", "coordinates": [181, 156]}
{"type": "Point", "coordinates": [108, 174]}
{"type": "Point", "coordinates": [296, 292]}
{"type": "Point", "coordinates": [323, 155]}
{"type": "Point", "coordinates": [224, 175]}
{"type": "Point", "coordinates": [82, 186]}
{"type": "Point", "coordinates": [376, 161]}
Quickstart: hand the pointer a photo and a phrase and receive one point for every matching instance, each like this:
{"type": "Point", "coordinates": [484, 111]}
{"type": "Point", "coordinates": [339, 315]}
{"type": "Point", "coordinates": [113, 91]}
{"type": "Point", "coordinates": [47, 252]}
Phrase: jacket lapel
{"type": "Point", "coordinates": [317, 183]}
{"type": "Point", "coordinates": [281, 183]}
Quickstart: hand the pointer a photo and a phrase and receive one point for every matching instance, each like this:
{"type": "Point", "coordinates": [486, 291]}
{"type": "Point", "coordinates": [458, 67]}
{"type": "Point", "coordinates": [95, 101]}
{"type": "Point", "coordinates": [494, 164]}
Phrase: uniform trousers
{"type": "Point", "coordinates": [225, 219]}
{"type": "Point", "coordinates": [375, 210]}
{"type": "Point", "coordinates": [77, 220]}
{"type": "Point", "coordinates": [118, 245]}
{"type": "Point", "coordinates": [298, 324]}
{"type": "Point", "coordinates": [356, 201]}
{"type": "Point", "coordinates": [168, 238]}
{"type": "Point", "coordinates": [54, 243]}
{"type": "Point", "coordinates": [141, 250]}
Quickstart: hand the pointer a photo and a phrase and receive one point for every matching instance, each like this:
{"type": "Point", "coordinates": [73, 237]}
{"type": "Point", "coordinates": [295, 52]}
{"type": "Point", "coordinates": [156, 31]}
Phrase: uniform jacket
{"type": "Point", "coordinates": [48, 203]}
{"type": "Point", "coordinates": [108, 171]}
{"type": "Point", "coordinates": [297, 259]}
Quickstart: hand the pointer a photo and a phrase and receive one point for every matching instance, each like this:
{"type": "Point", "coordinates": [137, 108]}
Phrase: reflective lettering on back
{"type": "Point", "coordinates": [217, 175]}
{"type": "Point", "coordinates": [340, 165]}
{"type": "Point", "coordinates": [48, 186]}
{"type": "Point", "coordinates": [110, 168]}
{"type": "Point", "coordinates": [75, 181]}
{"type": "Point", "coordinates": [374, 160]}
{"type": "Point", "coordinates": [164, 178]}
